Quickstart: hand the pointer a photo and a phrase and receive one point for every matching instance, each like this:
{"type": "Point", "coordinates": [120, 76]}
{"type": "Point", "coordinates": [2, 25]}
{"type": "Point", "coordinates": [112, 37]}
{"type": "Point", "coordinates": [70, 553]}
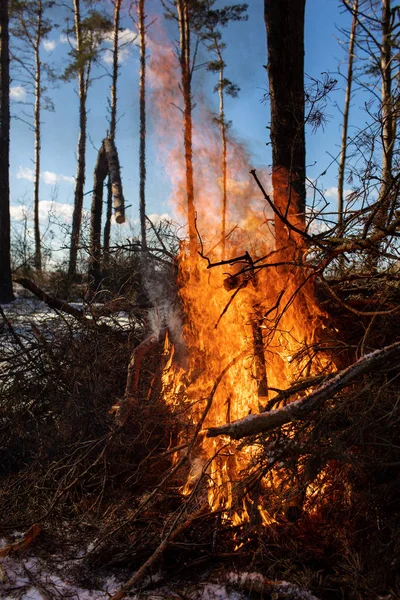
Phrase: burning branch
{"type": "Point", "coordinates": [260, 423]}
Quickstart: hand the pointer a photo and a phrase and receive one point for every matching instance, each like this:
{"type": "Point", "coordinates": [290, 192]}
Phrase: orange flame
{"type": "Point", "coordinates": [254, 320]}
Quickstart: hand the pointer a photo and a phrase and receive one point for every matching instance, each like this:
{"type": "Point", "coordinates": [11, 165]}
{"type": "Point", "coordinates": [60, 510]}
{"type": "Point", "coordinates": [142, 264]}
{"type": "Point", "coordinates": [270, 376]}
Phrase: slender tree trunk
{"type": "Point", "coordinates": [142, 100]}
{"type": "Point", "coordinates": [113, 125]}
{"type": "Point", "coordinates": [186, 81]}
{"type": "Point", "coordinates": [100, 173]}
{"type": "Point", "coordinates": [223, 155]}
{"type": "Point", "coordinates": [285, 35]}
{"type": "Point", "coordinates": [342, 162]}
{"type": "Point", "coordinates": [37, 128]}
{"type": "Point", "coordinates": [6, 291]}
{"type": "Point", "coordinates": [81, 166]}
{"type": "Point", "coordinates": [388, 118]}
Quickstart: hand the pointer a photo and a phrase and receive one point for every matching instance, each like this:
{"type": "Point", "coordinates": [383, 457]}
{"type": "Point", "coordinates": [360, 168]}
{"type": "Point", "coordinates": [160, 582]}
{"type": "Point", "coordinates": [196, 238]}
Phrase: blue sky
{"type": "Point", "coordinates": [245, 56]}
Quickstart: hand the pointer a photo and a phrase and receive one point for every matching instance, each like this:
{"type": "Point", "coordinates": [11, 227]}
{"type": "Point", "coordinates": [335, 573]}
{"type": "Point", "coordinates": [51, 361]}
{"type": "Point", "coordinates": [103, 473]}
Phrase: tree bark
{"type": "Point", "coordinates": [113, 125]}
{"type": "Point", "coordinates": [81, 166]}
{"type": "Point", "coordinates": [37, 133]}
{"type": "Point", "coordinates": [388, 119]}
{"type": "Point", "coordinates": [186, 82]}
{"type": "Point", "coordinates": [6, 291]}
{"type": "Point", "coordinates": [115, 177]}
{"type": "Point", "coordinates": [107, 164]}
{"type": "Point", "coordinates": [346, 110]}
{"type": "Point", "coordinates": [142, 142]}
{"type": "Point", "coordinates": [100, 173]}
{"type": "Point", "coordinates": [285, 36]}
{"type": "Point", "coordinates": [224, 152]}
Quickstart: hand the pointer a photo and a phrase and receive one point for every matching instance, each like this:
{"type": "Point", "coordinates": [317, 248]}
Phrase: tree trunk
{"type": "Point", "coordinates": [224, 153]}
{"type": "Point", "coordinates": [100, 173]}
{"type": "Point", "coordinates": [6, 291]}
{"type": "Point", "coordinates": [115, 178]}
{"type": "Point", "coordinates": [285, 35]}
{"type": "Point", "coordinates": [37, 130]}
{"type": "Point", "coordinates": [388, 120]}
{"type": "Point", "coordinates": [113, 125]}
{"type": "Point", "coordinates": [346, 110]}
{"type": "Point", "coordinates": [186, 82]}
{"type": "Point", "coordinates": [81, 167]}
{"type": "Point", "coordinates": [142, 100]}
{"type": "Point", "coordinates": [107, 164]}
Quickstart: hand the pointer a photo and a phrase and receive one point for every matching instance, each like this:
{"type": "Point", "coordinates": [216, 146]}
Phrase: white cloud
{"type": "Point", "coordinates": [67, 39]}
{"type": "Point", "coordinates": [126, 38]}
{"type": "Point", "coordinates": [49, 45]}
{"type": "Point", "coordinates": [25, 173]}
{"type": "Point", "coordinates": [52, 178]}
{"type": "Point", "coordinates": [156, 218]}
{"type": "Point", "coordinates": [332, 192]}
{"type": "Point", "coordinates": [19, 212]}
{"type": "Point", "coordinates": [48, 177]}
{"type": "Point", "coordinates": [59, 210]}
{"type": "Point", "coordinates": [17, 92]}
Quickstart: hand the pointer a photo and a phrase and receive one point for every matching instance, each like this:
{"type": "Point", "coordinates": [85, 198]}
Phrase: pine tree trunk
{"type": "Point", "coordinates": [6, 291]}
{"type": "Point", "coordinates": [223, 156]}
{"type": "Point", "coordinates": [100, 173]}
{"type": "Point", "coordinates": [186, 82]}
{"type": "Point", "coordinates": [346, 110]}
{"type": "Point", "coordinates": [142, 146]}
{"type": "Point", "coordinates": [113, 125]}
{"type": "Point", "coordinates": [285, 35]}
{"type": "Point", "coordinates": [388, 120]}
{"type": "Point", "coordinates": [81, 166]}
{"type": "Point", "coordinates": [37, 131]}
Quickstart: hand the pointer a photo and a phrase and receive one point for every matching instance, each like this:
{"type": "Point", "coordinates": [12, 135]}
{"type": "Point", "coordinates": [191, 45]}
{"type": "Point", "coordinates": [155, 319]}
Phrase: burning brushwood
{"type": "Point", "coordinates": [300, 409]}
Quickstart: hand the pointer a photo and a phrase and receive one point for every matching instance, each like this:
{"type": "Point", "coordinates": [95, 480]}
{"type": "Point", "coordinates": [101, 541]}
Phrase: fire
{"type": "Point", "coordinates": [249, 321]}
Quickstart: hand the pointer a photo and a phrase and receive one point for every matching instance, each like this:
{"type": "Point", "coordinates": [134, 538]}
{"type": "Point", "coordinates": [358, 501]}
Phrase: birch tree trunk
{"type": "Point", "coordinates": [6, 291]}
{"type": "Point", "coordinates": [37, 133]}
{"type": "Point", "coordinates": [81, 166]}
{"type": "Point", "coordinates": [285, 36]}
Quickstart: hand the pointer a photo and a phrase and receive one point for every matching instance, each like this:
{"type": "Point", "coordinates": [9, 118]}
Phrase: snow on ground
{"type": "Point", "coordinates": [33, 579]}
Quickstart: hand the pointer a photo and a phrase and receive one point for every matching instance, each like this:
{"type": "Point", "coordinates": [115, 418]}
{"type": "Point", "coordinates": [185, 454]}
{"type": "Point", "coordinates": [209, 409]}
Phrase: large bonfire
{"type": "Point", "coordinates": [251, 320]}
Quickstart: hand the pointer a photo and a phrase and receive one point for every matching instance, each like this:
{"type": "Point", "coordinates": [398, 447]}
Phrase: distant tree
{"type": "Point", "coordinates": [285, 40]}
{"type": "Point", "coordinates": [346, 111]}
{"type": "Point", "coordinates": [142, 100]}
{"type": "Point", "coordinates": [196, 19]}
{"type": "Point", "coordinates": [89, 34]}
{"type": "Point", "coordinates": [184, 12]}
{"type": "Point", "coordinates": [378, 66]}
{"type": "Point", "coordinates": [113, 120]}
{"type": "Point", "coordinates": [29, 28]}
{"type": "Point", "coordinates": [209, 25]}
{"type": "Point", "coordinates": [6, 291]}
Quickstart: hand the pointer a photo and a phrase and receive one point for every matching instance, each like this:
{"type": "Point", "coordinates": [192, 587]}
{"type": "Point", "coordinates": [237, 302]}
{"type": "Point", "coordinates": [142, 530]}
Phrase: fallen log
{"type": "Point", "coordinates": [51, 301]}
{"type": "Point", "coordinates": [262, 422]}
